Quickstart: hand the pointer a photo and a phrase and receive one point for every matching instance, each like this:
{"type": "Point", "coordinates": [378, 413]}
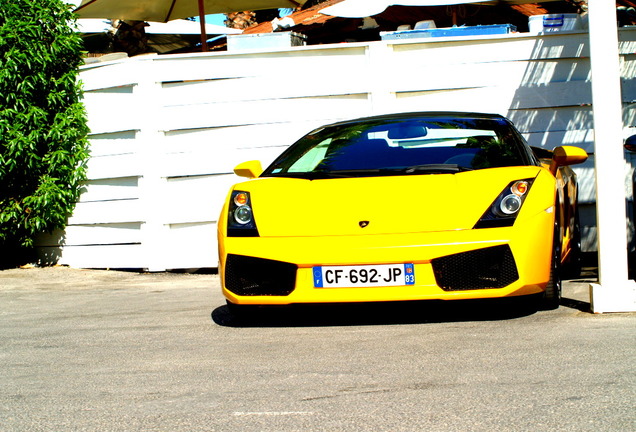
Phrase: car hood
{"type": "Point", "coordinates": [286, 207]}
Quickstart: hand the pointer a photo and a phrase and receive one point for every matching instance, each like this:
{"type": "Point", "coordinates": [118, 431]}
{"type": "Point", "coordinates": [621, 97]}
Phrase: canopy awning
{"type": "Point", "coordinates": [366, 8]}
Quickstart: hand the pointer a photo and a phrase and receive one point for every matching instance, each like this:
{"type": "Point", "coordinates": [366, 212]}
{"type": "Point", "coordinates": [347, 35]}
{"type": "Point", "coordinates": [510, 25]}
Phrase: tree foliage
{"type": "Point", "coordinates": [43, 145]}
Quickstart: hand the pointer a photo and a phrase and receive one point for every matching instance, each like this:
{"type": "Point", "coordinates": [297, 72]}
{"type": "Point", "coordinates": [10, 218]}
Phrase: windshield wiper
{"type": "Point", "coordinates": [342, 173]}
{"type": "Point", "coordinates": [436, 168]}
{"type": "Point", "coordinates": [319, 175]}
{"type": "Point", "coordinates": [308, 175]}
{"type": "Point", "coordinates": [415, 169]}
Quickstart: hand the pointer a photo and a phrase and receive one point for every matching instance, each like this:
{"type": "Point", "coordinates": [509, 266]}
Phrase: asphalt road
{"type": "Point", "coordinates": [114, 351]}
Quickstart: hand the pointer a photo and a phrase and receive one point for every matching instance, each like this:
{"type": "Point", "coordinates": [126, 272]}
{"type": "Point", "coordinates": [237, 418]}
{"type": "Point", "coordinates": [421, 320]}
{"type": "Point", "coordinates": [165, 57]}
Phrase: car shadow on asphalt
{"type": "Point", "coordinates": [573, 303]}
{"type": "Point", "coordinates": [381, 313]}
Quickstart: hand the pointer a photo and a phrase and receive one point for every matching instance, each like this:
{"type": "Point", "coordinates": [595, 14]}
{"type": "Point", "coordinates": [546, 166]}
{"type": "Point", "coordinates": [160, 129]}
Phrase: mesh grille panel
{"type": "Point", "coordinates": [249, 276]}
{"type": "Point", "coordinates": [492, 267]}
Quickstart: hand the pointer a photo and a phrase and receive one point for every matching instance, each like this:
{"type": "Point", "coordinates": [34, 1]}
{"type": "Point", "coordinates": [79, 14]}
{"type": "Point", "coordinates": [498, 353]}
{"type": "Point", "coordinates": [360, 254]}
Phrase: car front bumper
{"type": "Point", "coordinates": [448, 265]}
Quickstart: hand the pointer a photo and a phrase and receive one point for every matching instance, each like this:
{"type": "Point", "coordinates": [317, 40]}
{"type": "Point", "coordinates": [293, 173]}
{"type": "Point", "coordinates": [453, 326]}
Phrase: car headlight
{"type": "Point", "coordinates": [509, 205]}
{"type": "Point", "coordinates": [241, 221]}
{"type": "Point", "coordinates": [243, 215]}
{"type": "Point", "coordinates": [504, 210]}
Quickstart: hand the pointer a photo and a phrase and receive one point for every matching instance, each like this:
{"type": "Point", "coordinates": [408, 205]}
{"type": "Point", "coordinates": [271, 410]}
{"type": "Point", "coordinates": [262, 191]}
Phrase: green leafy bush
{"type": "Point", "coordinates": [43, 145]}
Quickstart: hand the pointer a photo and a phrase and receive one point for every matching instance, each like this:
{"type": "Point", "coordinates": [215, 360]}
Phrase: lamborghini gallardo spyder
{"type": "Point", "coordinates": [410, 206]}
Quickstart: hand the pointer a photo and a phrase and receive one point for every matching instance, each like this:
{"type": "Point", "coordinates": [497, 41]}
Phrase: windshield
{"type": "Point", "coordinates": [402, 146]}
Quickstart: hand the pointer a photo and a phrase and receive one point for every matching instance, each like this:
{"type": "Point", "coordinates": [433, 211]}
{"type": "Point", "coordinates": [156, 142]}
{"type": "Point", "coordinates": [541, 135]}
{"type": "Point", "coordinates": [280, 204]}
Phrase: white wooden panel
{"type": "Point", "coordinates": [580, 138]}
{"type": "Point", "coordinates": [112, 109]}
{"type": "Point", "coordinates": [98, 234]}
{"type": "Point", "coordinates": [589, 231]}
{"type": "Point", "coordinates": [101, 212]}
{"type": "Point", "coordinates": [627, 40]}
{"type": "Point", "coordinates": [487, 99]}
{"type": "Point", "coordinates": [114, 74]}
{"type": "Point", "coordinates": [628, 64]}
{"type": "Point", "coordinates": [107, 76]}
{"type": "Point", "coordinates": [459, 76]}
{"type": "Point", "coordinates": [629, 117]}
{"type": "Point", "coordinates": [191, 246]}
{"type": "Point", "coordinates": [511, 48]}
{"type": "Point", "coordinates": [115, 143]}
{"type": "Point", "coordinates": [104, 119]}
{"type": "Point", "coordinates": [259, 112]}
{"type": "Point", "coordinates": [558, 94]}
{"type": "Point", "coordinates": [565, 94]}
{"type": "Point", "coordinates": [219, 150]}
{"type": "Point", "coordinates": [587, 184]}
{"type": "Point", "coordinates": [116, 256]}
{"type": "Point", "coordinates": [628, 89]}
{"type": "Point", "coordinates": [229, 138]}
{"type": "Point", "coordinates": [434, 51]}
{"type": "Point", "coordinates": [108, 95]}
{"type": "Point", "coordinates": [496, 74]}
{"type": "Point", "coordinates": [111, 189]}
{"type": "Point", "coordinates": [542, 72]}
{"type": "Point", "coordinates": [552, 119]}
{"type": "Point", "coordinates": [124, 165]}
{"type": "Point", "coordinates": [230, 65]}
{"type": "Point", "coordinates": [120, 233]}
{"type": "Point", "coordinates": [195, 199]}
{"type": "Point", "coordinates": [210, 161]}
{"type": "Point", "coordinates": [263, 87]}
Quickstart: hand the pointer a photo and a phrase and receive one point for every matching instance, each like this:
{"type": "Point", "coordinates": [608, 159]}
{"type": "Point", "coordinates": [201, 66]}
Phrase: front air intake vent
{"type": "Point", "coordinates": [492, 267]}
{"type": "Point", "coordinates": [250, 276]}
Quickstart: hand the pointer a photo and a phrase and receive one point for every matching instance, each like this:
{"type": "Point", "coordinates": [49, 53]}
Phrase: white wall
{"type": "Point", "coordinates": [166, 131]}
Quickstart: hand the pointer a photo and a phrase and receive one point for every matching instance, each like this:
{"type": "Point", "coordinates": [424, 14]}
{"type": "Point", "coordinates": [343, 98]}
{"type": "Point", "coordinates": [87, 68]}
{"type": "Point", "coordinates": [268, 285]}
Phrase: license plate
{"type": "Point", "coordinates": [376, 275]}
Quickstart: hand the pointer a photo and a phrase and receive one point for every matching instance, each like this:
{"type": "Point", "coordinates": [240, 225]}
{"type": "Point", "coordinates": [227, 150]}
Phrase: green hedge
{"type": "Point", "coordinates": [43, 144]}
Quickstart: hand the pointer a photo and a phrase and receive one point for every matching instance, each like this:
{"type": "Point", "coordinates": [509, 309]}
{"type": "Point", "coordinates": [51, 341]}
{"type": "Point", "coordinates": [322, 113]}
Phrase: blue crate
{"type": "Point", "coordinates": [480, 30]}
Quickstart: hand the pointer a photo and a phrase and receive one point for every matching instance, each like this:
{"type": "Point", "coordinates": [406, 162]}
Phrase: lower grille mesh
{"type": "Point", "coordinates": [249, 276]}
{"type": "Point", "coordinates": [492, 267]}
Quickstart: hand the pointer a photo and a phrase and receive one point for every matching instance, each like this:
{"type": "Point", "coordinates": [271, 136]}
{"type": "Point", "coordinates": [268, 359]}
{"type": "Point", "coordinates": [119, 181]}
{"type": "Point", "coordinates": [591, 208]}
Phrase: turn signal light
{"type": "Point", "coordinates": [520, 188]}
{"type": "Point", "coordinates": [240, 199]}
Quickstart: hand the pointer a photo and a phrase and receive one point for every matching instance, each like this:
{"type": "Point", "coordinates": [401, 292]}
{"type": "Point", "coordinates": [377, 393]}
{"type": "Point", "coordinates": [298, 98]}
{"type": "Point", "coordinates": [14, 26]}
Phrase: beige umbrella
{"type": "Point", "coordinates": [167, 10]}
{"type": "Point", "coordinates": [362, 8]}
{"type": "Point", "coordinates": [365, 8]}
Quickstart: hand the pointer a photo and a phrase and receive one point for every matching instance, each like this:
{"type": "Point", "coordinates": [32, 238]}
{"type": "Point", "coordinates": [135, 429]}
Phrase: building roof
{"type": "Point", "coordinates": [306, 17]}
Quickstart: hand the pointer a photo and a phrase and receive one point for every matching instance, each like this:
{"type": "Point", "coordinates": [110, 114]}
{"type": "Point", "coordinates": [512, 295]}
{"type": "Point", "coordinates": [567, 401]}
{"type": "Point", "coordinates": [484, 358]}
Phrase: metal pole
{"type": "Point", "coordinates": [204, 37]}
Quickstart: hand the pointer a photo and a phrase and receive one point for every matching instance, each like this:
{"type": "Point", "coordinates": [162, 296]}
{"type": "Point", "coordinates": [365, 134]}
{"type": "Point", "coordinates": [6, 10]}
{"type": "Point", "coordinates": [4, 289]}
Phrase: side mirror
{"type": "Point", "coordinates": [630, 143]}
{"type": "Point", "coordinates": [250, 169]}
{"type": "Point", "coordinates": [567, 155]}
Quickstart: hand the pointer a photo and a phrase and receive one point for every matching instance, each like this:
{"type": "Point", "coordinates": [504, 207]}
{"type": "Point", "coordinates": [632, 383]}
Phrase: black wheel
{"type": "Point", "coordinates": [552, 294]}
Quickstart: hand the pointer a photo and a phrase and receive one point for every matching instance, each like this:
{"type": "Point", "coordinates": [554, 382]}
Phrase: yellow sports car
{"type": "Point", "coordinates": [415, 206]}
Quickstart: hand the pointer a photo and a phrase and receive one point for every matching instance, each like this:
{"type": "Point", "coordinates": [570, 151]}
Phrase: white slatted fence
{"type": "Point", "coordinates": [166, 131]}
